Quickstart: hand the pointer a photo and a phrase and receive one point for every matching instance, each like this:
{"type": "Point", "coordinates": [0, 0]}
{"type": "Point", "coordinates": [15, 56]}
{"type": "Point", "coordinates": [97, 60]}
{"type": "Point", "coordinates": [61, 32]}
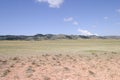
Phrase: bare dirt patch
{"type": "Point", "coordinates": [104, 66]}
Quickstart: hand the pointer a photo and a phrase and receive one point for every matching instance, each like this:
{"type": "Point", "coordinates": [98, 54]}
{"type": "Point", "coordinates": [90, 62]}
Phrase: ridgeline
{"type": "Point", "coordinates": [54, 37]}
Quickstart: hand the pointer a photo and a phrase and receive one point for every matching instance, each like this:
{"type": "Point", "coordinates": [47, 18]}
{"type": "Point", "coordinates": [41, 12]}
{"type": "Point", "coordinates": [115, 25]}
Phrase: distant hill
{"type": "Point", "coordinates": [54, 37]}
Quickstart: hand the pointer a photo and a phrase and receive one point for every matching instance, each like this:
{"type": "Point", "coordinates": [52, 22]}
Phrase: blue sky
{"type": "Point", "coordinates": [84, 17]}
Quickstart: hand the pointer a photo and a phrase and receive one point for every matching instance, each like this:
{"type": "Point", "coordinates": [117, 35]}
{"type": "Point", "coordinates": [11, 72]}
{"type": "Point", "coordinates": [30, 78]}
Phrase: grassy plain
{"type": "Point", "coordinates": [59, 46]}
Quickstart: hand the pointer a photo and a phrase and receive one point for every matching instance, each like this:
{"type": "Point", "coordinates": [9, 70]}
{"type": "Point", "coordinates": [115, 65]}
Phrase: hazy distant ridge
{"type": "Point", "coordinates": [53, 37]}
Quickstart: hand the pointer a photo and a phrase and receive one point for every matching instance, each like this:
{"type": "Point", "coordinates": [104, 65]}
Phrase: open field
{"type": "Point", "coordinates": [92, 59]}
{"type": "Point", "coordinates": [58, 46]}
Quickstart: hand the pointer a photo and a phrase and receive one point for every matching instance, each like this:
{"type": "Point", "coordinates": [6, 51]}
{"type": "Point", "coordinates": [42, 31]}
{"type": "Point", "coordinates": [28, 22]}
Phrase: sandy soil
{"type": "Point", "coordinates": [105, 66]}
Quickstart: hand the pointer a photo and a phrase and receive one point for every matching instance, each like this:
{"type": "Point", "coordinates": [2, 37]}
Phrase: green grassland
{"type": "Point", "coordinates": [59, 46]}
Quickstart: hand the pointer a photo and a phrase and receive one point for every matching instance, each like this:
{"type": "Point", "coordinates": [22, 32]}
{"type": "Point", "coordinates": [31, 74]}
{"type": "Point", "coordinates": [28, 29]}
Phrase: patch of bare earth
{"type": "Point", "coordinates": [105, 66]}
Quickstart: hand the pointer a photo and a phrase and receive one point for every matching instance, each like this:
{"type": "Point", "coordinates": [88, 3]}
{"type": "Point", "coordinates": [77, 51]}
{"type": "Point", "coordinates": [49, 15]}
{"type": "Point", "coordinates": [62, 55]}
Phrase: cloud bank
{"type": "Point", "coordinates": [52, 3]}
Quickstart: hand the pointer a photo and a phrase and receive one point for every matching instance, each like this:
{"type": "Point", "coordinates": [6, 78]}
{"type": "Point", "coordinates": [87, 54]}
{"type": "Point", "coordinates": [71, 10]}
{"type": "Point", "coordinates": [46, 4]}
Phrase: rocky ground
{"type": "Point", "coordinates": [103, 66]}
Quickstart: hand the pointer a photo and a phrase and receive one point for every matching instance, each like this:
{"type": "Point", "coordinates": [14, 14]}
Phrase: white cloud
{"type": "Point", "coordinates": [118, 10]}
{"type": "Point", "coordinates": [71, 19]}
{"type": "Point", "coordinates": [85, 32]}
{"type": "Point", "coordinates": [52, 3]}
{"type": "Point", "coordinates": [105, 17]}
{"type": "Point", "coordinates": [75, 23]}
{"type": "Point", "coordinates": [68, 19]}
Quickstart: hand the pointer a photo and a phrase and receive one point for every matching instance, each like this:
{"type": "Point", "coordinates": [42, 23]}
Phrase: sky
{"type": "Point", "coordinates": [79, 17]}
